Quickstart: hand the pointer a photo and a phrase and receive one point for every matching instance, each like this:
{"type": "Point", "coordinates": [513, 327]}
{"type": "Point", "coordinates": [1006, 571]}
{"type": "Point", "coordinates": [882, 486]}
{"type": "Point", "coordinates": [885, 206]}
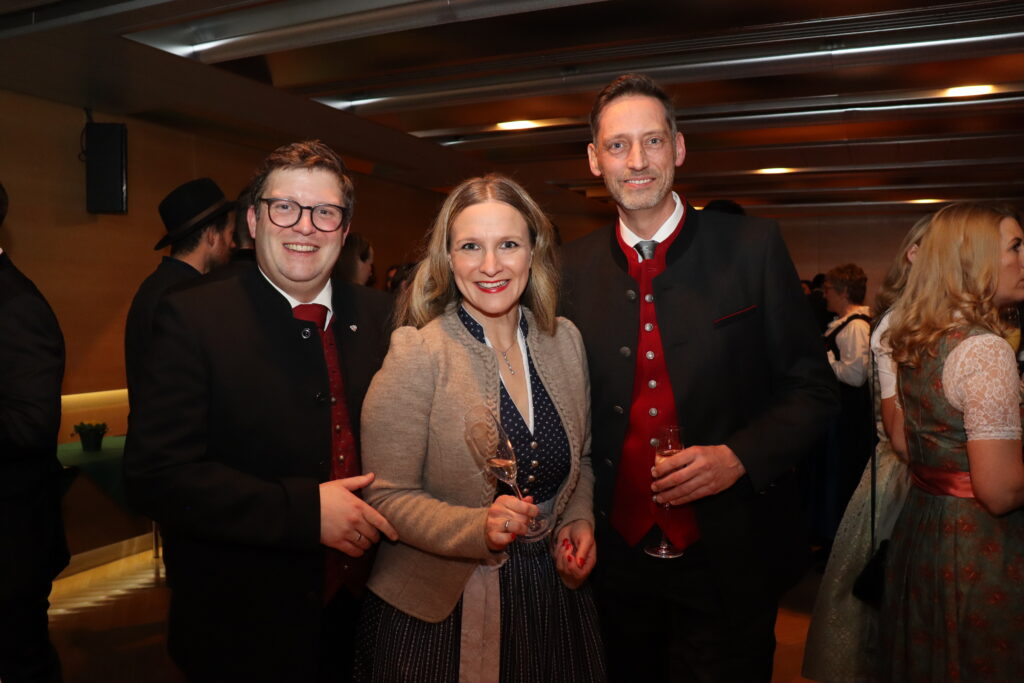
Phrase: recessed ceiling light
{"type": "Point", "coordinates": [926, 201]}
{"type": "Point", "coordinates": [517, 125]}
{"type": "Point", "coordinates": [775, 170]}
{"type": "Point", "coordinates": [969, 90]}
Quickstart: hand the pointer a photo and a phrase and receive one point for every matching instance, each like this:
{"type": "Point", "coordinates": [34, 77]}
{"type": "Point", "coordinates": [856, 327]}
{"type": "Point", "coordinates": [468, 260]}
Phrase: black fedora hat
{"type": "Point", "coordinates": [189, 207]}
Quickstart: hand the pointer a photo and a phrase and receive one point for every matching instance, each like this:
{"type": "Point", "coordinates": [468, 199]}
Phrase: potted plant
{"type": "Point", "coordinates": [91, 434]}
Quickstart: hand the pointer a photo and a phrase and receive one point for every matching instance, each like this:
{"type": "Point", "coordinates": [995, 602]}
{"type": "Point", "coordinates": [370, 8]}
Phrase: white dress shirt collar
{"type": "Point", "coordinates": [662, 234]}
{"type": "Point", "coordinates": [324, 297]}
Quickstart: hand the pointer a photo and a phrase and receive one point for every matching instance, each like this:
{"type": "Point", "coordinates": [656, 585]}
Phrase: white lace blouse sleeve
{"type": "Point", "coordinates": [882, 353]}
{"type": "Point", "coordinates": [980, 379]}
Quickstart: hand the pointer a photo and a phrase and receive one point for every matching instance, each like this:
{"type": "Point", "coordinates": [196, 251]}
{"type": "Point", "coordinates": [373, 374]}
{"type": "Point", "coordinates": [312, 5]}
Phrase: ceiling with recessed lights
{"type": "Point", "coordinates": [789, 108]}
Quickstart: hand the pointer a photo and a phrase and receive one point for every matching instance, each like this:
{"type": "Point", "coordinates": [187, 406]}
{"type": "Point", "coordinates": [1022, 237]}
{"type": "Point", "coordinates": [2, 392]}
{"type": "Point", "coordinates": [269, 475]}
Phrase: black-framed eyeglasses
{"type": "Point", "coordinates": [285, 213]}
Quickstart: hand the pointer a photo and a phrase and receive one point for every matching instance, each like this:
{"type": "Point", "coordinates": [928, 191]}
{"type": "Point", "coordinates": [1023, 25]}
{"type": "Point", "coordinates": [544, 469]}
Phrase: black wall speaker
{"type": "Point", "coordinates": [106, 168]}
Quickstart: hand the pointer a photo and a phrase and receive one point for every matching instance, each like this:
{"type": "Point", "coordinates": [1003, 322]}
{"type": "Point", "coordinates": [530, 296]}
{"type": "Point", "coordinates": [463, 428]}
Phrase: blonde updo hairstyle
{"type": "Point", "coordinates": [953, 282]}
{"type": "Point", "coordinates": [433, 286]}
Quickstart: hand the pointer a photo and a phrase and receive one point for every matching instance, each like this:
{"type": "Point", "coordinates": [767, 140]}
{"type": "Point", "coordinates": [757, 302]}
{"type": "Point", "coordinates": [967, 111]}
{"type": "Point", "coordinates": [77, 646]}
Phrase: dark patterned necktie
{"type": "Point", "coordinates": [646, 249]}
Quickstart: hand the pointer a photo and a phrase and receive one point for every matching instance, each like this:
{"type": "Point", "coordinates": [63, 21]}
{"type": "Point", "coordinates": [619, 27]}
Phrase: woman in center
{"type": "Point", "coordinates": [458, 598]}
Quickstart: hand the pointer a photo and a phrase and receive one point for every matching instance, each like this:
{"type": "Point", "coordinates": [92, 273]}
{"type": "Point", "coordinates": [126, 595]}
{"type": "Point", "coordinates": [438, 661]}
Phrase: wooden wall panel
{"type": "Point", "coordinates": [89, 266]}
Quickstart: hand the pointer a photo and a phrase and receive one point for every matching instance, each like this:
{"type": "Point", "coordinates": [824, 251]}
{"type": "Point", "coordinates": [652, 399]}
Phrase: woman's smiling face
{"type": "Point", "coordinates": [490, 252]}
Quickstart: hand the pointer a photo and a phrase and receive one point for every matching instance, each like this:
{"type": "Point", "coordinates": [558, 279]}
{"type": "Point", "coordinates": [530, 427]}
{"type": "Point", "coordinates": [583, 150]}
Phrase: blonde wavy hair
{"type": "Point", "coordinates": [953, 282]}
{"type": "Point", "coordinates": [896, 279]}
{"type": "Point", "coordinates": [433, 287]}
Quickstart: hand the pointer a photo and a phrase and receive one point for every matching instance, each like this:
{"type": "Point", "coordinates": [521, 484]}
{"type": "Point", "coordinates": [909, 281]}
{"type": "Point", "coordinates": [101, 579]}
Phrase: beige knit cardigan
{"type": "Point", "coordinates": [428, 483]}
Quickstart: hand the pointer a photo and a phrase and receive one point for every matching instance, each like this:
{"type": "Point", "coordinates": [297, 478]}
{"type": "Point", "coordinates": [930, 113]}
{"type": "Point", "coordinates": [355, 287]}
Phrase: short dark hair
{"type": "Point", "coordinates": [243, 240]}
{"type": "Point", "coordinates": [631, 85]}
{"type": "Point", "coordinates": [849, 279]}
{"type": "Point", "coordinates": [188, 243]}
{"type": "Point", "coordinates": [3, 203]}
{"type": "Point", "coordinates": [356, 248]}
{"type": "Point", "coordinates": [725, 206]}
{"type": "Point", "coordinates": [308, 154]}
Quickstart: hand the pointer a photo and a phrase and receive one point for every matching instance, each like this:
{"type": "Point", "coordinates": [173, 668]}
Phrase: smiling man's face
{"type": "Point", "coordinates": [298, 259]}
{"type": "Point", "coordinates": [636, 153]}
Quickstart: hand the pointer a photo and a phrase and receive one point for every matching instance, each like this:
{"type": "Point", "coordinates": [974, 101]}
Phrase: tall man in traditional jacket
{"type": "Point", "coordinates": [32, 545]}
{"type": "Point", "coordinates": [243, 441]}
{"type": "Point", "coordinates": [695, 319]}
{"type": "Point", "coordinates": [196, 217]}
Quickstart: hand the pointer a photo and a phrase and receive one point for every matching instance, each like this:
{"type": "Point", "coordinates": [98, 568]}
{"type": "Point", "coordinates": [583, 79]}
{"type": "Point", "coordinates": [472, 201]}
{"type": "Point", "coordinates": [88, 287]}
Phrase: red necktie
{"type": "Point", "coordinates": [340, 569]}
{"type": "Point", "coordinates": [311, 313]}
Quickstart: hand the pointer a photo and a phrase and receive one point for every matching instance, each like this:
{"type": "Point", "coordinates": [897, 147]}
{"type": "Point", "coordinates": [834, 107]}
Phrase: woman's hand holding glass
{"type": "Point", "coordinates": [507, 518]}
{"type": "Point", "coordinates": [575, 552]}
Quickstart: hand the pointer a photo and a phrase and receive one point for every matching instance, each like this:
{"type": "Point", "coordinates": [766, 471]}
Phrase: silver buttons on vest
{"type": "Point", "coordinates": [653, 412]}
{"type": "Point", "coordinates": [625, 352]}
{"type": "Point", "coordinates": [307, 332]}
{"type": "Point", "coordinates": [650, 355]}
{"type": "Point", "coordinates": [649, 298]}
{"type": "Point", "coordinates": [652, 384]}
{"type": "Point", "coordinates": [631, 295]}
{"type": "Point", "coordinates": [648, 327]}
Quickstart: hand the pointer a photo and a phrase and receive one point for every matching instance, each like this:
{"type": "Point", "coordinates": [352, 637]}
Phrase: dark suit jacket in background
{"type": "Point", "coordinates": [139, 324]}
{"type": "Point", "coordinates": [32, 544]}
{"type": "Point", "coordinates": [228, 441]}
{"type": "Point", "coordinates": [747, 371]}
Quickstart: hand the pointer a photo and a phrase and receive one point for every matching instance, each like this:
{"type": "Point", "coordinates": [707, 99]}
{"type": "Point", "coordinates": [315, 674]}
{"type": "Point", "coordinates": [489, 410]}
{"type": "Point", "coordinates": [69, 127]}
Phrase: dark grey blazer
{"type": "Point", "coordinates": [32, 545]}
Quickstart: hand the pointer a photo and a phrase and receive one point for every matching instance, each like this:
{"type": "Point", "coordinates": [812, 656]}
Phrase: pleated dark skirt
{"type": "Point", "coordinates": [548, 632]}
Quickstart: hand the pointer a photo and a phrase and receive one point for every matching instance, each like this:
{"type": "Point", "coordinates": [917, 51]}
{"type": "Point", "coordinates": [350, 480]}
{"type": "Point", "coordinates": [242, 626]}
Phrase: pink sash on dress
{"type": "Point", "coordinates": [940, 482]}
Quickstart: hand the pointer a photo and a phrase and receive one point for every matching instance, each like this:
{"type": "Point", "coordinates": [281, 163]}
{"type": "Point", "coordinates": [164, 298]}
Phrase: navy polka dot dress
{"type": "Point", "coordinates": [548, 631]}
{"type": "Point", "coordinates": [542, 458]}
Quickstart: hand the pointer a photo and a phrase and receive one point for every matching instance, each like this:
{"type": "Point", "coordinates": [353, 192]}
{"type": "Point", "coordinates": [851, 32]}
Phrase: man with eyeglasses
{"type": "Point", "coordinates": [244, 443]}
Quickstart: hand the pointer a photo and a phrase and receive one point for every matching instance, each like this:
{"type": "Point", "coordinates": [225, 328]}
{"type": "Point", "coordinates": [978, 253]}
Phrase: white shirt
{"type": "Point", "coordinates": [662, 234]}
{"type": "Point", "coordinates": [854, 347]}
{"type": "Point", "coordinates": [323, 298]}
{"type": "Point", "coordinates": [882, 353]}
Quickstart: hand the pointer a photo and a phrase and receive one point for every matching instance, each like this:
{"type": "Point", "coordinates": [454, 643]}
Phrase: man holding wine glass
{"type": "Point", "coordinates": [697, 320]}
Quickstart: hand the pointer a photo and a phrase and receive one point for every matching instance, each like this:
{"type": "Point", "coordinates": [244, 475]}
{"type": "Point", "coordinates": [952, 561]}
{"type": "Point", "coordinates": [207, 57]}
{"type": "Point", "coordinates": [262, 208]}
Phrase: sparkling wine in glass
{"type": "Point", "coordinates": [489, 442]}
{"type": "Point", "coordinates": [669, 443]}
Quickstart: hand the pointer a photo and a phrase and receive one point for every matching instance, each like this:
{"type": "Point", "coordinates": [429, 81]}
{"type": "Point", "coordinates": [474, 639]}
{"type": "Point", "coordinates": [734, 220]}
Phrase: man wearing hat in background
{"type": "Point", "coordinates": [196, 217]}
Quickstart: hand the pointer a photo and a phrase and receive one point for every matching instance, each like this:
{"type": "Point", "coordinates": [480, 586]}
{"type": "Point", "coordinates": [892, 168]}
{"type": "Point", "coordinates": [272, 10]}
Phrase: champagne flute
{"type": "Point", "coordinates": [669, 443]}
{"type": "Point", "coordinates": [491, 445]}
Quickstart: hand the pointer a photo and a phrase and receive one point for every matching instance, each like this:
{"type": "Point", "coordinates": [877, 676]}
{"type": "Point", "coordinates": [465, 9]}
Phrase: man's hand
{"type": "Point", "coordinates": [575, 552]}
{"type": "Point", "coordinates": [695, 472]}
{"type": "Point", "coordinates": [348, 523]}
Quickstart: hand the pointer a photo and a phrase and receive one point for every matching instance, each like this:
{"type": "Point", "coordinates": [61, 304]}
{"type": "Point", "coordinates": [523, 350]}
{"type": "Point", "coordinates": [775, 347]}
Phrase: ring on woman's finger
{"type": "Point", "coordinates": [359, 537]}
{"type": "Point", "coordinates": [507, 522]}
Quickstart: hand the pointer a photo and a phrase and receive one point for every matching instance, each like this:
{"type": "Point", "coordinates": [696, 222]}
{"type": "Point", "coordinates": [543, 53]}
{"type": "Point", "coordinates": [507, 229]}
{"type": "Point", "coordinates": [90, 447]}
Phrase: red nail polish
{"type": "Point", "coordinates": [580, 562]}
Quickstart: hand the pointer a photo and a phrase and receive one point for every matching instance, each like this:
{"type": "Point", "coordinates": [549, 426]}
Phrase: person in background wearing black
{"type": "Point", "coordinates": [245, 246]}
{"type": "Point", "coordinates": [694, 318]}
{"type": "Point", "coordinates": [196, 217]}
{"type": "Point", "coordinates": [32, 545]}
